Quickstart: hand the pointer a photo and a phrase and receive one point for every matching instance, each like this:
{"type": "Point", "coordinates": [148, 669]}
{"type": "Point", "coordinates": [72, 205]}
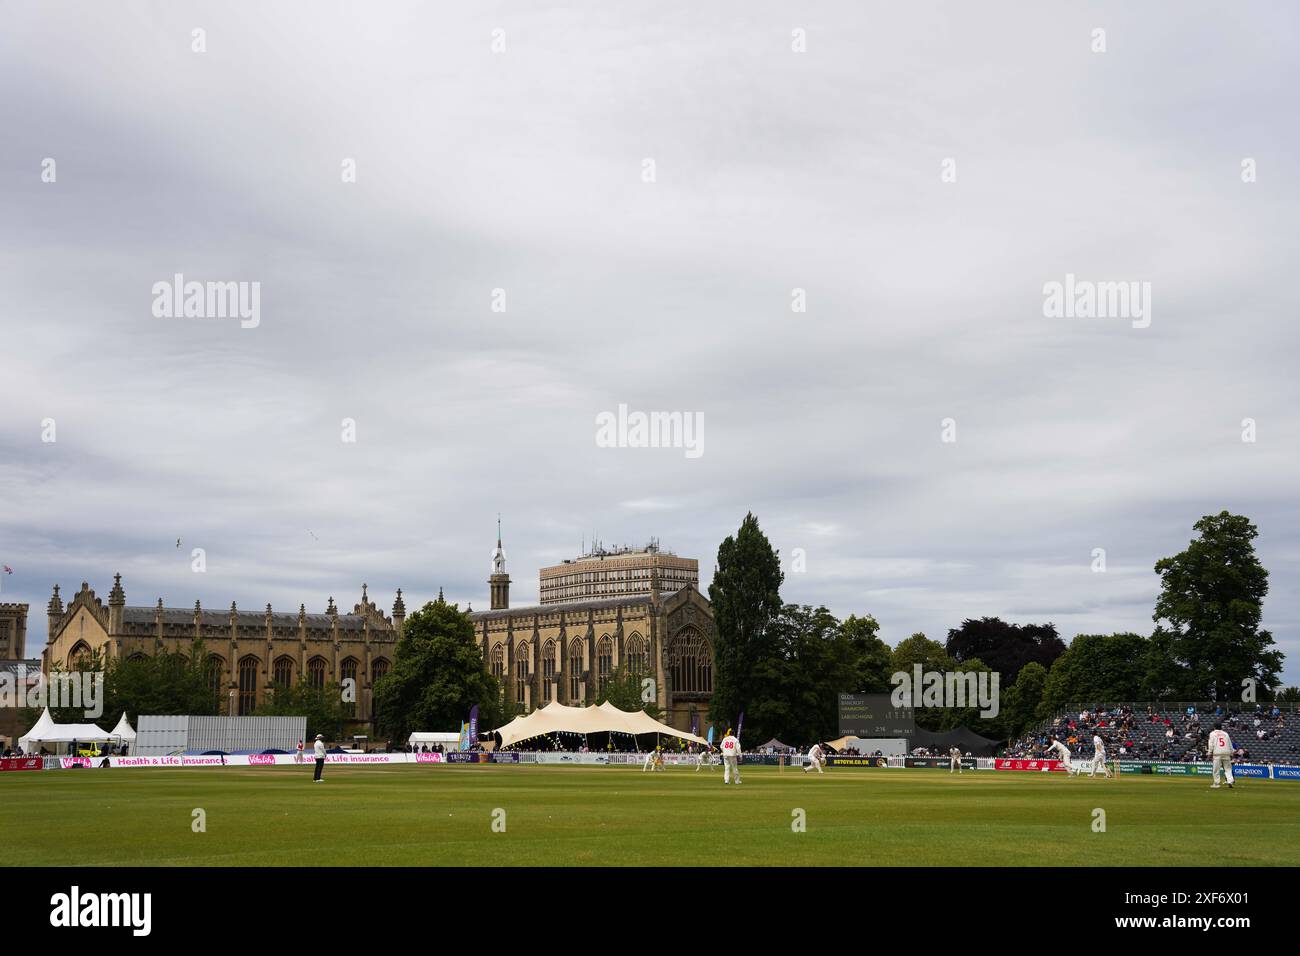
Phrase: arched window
{"type": "Point", "coordinates": [348, 675]}
{"type": "Point", "coordinates": [604, 659]}
{"type": "Point", "coordinates": [638, 662]}
{"type": "Point", "coordinates": [282, 671]}
{"type": "Point", "coordinates": [79, 656]}
{"type": "Point", "coordinates": [690, 661]}
{"type": "Point", "coordinates": [575, 669]}
{"type": "Point", "coordinates": [498, 661]}
{"type": "Point", "coordinates": [317, 668]}
{"type": "Point", "coordinates": [136, 658]}
{"type": "Point", "coordinates": [548, 670]}
{"type": "Point", "coordinates": [378, 669]}
{"type": "Point", "coordinates": [521, 673]}
{"type": "Point", "coordinates": [247, 685]}
{"type": "Point", "coordinates": [217, 677]}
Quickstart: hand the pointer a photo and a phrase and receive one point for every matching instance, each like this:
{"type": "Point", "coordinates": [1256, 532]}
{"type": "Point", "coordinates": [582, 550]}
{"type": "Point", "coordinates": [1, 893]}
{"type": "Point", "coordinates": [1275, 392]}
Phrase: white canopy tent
{"type": "Point", "coordinates": [46, 731]}
{"type": "Point", "coordinates": [123, 731]}
{"type": "Point", "coordinates": [435, 737]}
{"type": "Point", "coordinates": [606, 718]}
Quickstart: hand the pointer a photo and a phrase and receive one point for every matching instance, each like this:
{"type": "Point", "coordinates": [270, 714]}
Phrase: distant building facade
{"type": "Point", "coordinates": [13, 643]}
{"type": "Point", "coordinates": [13, 631]}
{"type": "Point", "coordinates": [565, 649]}
{"type": "Point", "coordinates": [247, 651]}
{"type": "Point", "coordinates": [623, 572]}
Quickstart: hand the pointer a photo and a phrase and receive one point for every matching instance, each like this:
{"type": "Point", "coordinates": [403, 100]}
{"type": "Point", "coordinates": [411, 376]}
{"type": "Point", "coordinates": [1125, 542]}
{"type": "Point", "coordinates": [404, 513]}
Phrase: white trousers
{"type": "Point", "coordinates": [1223, 762]}
{"type": "Point", "coordinates": [815, 764]}
{"type": "Point", "coordinates": [1099, 763]}
{"type": "Point", "coordinates": [729, 767]}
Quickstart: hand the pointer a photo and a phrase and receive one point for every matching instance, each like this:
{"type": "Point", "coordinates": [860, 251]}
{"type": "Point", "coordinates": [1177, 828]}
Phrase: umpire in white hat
{"type": "Point", "coordinates": [319, 750]}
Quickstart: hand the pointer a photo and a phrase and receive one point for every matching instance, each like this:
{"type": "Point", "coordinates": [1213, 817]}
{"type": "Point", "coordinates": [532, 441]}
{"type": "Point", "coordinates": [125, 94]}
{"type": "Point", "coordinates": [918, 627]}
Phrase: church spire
{"type": "Point", "coordinates": [499, 582]}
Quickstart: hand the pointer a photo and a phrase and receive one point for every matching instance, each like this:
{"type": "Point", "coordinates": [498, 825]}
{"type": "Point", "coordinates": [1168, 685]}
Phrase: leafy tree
{"type": "Point", "coordinates": [623, 690]}
{"type": "Point", "coordinates": [437, 676]}
{"type": "Point", "coordinates": [919, 649]}
{"type": "Point", "coordinates": [323, 707]}
{"type": "Point", "coordinates": [1288, 695]}
{"type": "Point", "coordinates": [1021, 702]}
{"type": "Point", "coordinates": [1097, 669]}
{"type": "Point", "coordinates": [1210, 606]}
{"type": "Point", "coordinates": [931, 655]}
{"type": "Point", "coordinates": [1005, 647]}
{"type": "Point", "coordinates": [869, 659]}
{"type": "Point", "coordinates": [745, 595]}
{"type": "Point", "coordinates": [166, 682]}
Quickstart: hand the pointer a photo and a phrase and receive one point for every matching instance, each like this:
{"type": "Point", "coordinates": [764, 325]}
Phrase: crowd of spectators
{"type": "Point", "coordinates": [1264, 733]}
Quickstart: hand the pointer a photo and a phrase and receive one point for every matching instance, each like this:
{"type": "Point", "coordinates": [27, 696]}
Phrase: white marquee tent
{"type": "Point", "coordinates": [430, 737]}
{"type": "Point", "coordinates": [123, 731]}
{"type": "Point", "coordinates": [46, 731]}
{"type": "Point", "coordinates": [605, 718]}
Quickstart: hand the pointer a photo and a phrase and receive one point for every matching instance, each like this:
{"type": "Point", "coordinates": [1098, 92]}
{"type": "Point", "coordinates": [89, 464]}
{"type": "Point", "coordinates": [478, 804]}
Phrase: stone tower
{"type": "Point", "coordinates": [499, 582]}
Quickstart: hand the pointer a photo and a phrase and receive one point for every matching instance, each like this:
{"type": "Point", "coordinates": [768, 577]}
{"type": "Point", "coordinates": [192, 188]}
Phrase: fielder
{"type": "Point", "coordinates": [730, 758]}
{"type": "Point", "coordinates": [649, 761]}
{"type": "Point", "coordinates": [954, 760]}
{"type": "Point", "coordinates": [1099, 756]}
{"type": "Point", "coordinates": [1062, 752]}
{"type": "Point", "coordinates": [1220, 749]}
{"type": "Point", "coordinates": [815, 759]}
{"type": "Point", "coordinates": [703, 759]}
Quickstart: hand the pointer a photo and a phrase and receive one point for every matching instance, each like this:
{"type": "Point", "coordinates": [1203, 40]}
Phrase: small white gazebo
{"type": "Point", "coordinates": [123, 731]}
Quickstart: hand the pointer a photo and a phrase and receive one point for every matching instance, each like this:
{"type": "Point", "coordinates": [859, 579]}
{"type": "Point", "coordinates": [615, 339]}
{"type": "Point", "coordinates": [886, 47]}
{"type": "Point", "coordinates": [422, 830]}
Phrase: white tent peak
{"type": "Point", "coordinates": [124, 729]}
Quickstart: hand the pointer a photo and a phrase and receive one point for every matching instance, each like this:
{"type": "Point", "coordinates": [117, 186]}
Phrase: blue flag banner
{"type": "Point", "coordinates": [709, 738]}
{"type": "Point", "coordinates": [464, 736]}
{"type": "Point", "coordinates": [473, 725]}
{"type": "Point", "coordinates": [740, 724]}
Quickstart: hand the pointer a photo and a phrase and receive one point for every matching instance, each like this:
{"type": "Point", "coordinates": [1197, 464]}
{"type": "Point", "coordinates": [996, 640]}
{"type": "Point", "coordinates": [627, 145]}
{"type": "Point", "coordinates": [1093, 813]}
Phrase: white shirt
{"type": "Point", "coordinates": [1061, 749]}
{"type": "Point", "coordinates": [815, 751]}
{"type": "Point", "coordinates": [1220, 743]}
{"type": "Point", "coordinates": [730, 746]}
{"type": "Point", "coordinates": [1099, 745]}
{"type": "Point", "coordinates": [320, 750]}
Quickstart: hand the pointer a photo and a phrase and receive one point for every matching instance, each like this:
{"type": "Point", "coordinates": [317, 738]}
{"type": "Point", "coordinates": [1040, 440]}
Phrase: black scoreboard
{"type": "Point", "coordinates": [874, 715]}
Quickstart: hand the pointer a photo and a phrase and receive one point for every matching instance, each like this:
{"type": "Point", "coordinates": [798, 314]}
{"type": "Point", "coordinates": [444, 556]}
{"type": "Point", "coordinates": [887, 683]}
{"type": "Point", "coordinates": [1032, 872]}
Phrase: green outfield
{"type": "Point", "coordinates": [619, 816]}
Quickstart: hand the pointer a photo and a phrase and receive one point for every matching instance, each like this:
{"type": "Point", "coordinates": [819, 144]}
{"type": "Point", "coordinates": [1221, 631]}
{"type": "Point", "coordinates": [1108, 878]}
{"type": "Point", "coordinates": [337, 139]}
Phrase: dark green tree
{"type": "Point", "coordinates": [323, 707]}
{"type": "Point", "coordinates": [1098, 669]}
{"type": "Point", "coordinates": [868, 659]}
{"type": "Point", "coordinates": [1022, 700]}
{"type": "Point", "coordinates": [437, 676]}
{"type": "Point", "coordinates": [165, 682]}
{"type": "Point", "coordinates": [746, 596]}
{"type": "Point", "coordinates": [1005, 647]}
{"type": "Point", "coordinates": [1211, 603]}
{"type": "Point", "coordinates": [624, 690]}
{"type": "Point", "coordinates": [931, 655]}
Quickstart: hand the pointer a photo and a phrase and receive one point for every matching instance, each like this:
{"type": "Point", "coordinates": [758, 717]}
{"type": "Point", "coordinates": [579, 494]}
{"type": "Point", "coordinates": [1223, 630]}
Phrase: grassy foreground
{"type": "Point", "coordinates": [619, 816]}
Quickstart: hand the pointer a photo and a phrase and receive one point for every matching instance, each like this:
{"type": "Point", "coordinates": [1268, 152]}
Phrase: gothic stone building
{"type": "Point", "coordinates": [562, 652]}
{"type": "Point", "coordinates": [248, 650]}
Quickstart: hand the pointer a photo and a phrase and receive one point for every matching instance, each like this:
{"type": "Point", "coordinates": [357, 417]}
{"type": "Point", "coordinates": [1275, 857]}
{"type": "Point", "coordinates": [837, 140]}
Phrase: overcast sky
{"type": "Point", "coordinates": [523, 169]}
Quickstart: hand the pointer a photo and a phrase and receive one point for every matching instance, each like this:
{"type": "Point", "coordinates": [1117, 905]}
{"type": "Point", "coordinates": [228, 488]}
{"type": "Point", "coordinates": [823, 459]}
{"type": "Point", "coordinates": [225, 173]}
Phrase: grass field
{"type": "Point", "coordinates": [617, 816]}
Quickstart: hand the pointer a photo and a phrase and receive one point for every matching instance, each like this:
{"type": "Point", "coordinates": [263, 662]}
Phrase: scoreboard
{"type": "Point", "coordinates": [874, 715]}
